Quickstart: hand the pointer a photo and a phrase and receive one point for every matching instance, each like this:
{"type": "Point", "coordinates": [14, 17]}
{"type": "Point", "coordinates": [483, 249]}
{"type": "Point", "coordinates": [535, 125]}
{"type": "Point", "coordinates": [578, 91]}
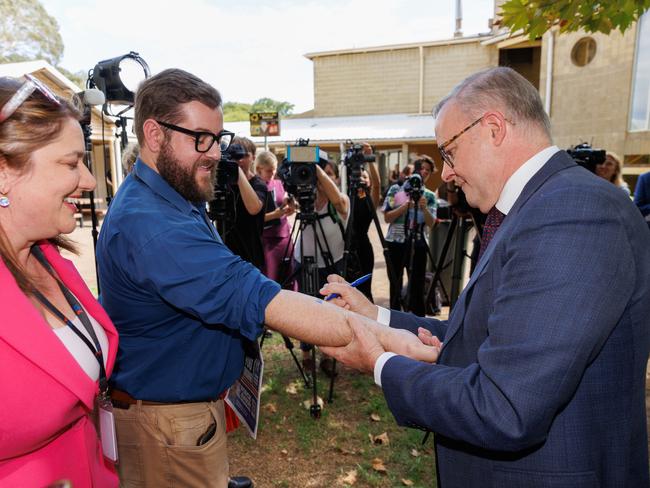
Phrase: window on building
{"type": "Point", "coordinates": [583, 51]}
{"type": "Point", "coordinates": [640, 110]}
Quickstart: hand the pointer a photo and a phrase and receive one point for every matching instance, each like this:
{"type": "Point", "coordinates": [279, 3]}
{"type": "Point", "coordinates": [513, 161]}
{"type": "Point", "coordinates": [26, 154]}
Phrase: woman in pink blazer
{"type": "Point", "coordinates": [48, 376]}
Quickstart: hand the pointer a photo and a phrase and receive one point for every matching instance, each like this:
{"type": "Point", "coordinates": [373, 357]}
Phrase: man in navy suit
{"type": "Point", "coordinates": [541, 378]}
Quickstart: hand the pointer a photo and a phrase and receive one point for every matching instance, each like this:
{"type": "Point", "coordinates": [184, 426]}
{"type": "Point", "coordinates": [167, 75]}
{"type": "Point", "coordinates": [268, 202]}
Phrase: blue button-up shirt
{"type": "Point", "coordinates": [181, 301]}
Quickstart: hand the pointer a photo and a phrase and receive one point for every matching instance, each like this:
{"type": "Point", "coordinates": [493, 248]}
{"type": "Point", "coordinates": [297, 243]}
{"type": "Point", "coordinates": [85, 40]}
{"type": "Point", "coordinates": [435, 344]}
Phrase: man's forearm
{"type": "Point", "coordinates": [317, 322]}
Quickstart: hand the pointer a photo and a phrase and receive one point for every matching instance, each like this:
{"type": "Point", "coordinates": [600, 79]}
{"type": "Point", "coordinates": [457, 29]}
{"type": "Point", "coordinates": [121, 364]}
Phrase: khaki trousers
{"type": "Point", "coordinates": [157, 445]}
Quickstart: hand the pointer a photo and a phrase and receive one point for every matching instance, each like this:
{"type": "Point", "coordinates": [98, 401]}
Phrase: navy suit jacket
{"type": "Point", "coordinates": [541, 380]}
{"type": "Point", "coordinates": [642, 195]}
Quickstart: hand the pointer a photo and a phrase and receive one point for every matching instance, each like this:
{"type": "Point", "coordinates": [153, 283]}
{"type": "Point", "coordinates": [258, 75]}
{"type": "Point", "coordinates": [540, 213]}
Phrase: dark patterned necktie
{"type": "Point", "coordinates": [492, 223]}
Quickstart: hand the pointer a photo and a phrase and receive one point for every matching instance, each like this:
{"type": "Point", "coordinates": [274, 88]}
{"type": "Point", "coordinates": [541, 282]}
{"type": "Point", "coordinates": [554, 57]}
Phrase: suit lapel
{"type": "Point", "coordinates": [24, 329]}
{"type": "Point", "coordinates": [559, 161]}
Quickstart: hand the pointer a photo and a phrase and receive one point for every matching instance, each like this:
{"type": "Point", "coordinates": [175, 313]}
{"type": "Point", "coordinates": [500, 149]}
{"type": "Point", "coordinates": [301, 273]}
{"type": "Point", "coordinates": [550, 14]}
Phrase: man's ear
{"type": "Point", "coordinates": [496, 122]}
{"type": "Point", "coordinates": [153, 135]}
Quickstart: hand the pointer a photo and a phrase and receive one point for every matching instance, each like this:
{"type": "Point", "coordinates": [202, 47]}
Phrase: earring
{"type": "Point", "coordinates": [4, 201]}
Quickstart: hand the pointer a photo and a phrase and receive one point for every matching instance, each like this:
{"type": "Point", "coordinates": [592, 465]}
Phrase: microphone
{"type": "Point", "coordinates": [92, 97]}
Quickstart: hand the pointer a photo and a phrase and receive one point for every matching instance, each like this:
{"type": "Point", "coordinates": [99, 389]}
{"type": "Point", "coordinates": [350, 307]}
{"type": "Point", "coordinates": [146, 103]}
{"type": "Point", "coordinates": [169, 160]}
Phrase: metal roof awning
{"type": "Point", "coordinates": [371, 128]}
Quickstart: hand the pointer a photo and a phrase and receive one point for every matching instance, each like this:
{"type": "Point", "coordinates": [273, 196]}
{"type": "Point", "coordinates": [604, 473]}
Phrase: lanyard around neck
{"type": "Point", "coordinates": [95, 347]}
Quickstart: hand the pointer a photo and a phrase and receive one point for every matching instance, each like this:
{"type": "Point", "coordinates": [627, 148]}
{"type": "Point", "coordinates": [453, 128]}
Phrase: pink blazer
{"type": "Point", "coordinates": [45, 396]}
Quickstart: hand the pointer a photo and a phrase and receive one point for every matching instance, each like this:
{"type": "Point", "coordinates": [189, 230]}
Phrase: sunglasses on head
{"type": "Point", "coordinates": [23, 93]}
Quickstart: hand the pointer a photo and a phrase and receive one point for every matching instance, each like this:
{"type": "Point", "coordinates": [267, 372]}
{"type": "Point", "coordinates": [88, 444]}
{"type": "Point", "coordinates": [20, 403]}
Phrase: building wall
{"type": "Point", "coordinates": [591, 103]}
{"type": "Point", "coordinates": [388, 81]}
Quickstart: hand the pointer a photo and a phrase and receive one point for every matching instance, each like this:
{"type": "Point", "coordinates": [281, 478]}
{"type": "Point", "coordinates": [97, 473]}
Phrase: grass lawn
{"type": "Point", "coordinates": [294, 450]}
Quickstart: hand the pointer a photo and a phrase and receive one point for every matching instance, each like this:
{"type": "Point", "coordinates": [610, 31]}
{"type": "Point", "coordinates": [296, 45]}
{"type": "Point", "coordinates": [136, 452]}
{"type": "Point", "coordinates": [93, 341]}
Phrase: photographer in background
{"type": "Point", "coordinates": [399, 212]}
{"type": "Point", "coordinates": [332, 209]}
{"type": "Point", "coordinates": [361, 248]}
{"type": "Point", "coordinates": [244, 236]}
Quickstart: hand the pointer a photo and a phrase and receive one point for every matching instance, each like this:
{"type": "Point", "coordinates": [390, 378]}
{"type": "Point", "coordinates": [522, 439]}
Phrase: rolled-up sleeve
{"type": "Point", "coordinates": [203, 278]}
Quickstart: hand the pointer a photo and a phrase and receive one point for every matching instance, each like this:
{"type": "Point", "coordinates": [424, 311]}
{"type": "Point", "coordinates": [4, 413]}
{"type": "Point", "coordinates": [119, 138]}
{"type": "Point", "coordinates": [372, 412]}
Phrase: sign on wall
{"type": "Point", "coordinates": [265, 124]}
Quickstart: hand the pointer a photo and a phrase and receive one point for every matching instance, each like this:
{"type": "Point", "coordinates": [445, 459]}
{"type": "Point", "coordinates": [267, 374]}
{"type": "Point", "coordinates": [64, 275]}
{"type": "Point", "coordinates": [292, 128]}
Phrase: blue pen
{"type": "Point", "coordinates": [354, 284]}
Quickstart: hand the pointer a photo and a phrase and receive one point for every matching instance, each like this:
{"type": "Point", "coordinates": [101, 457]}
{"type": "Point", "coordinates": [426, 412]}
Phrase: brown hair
{"type": "Point", "coordinates": [423, 158]}
{"type": "Point", "coordinates": [161, 96]}
{"type": "Point", "coordinates": [246, 144]}
{"type": "Point", "coordinates": [130, 156]}
{"type": "Point", "coordinates": [34, 124]}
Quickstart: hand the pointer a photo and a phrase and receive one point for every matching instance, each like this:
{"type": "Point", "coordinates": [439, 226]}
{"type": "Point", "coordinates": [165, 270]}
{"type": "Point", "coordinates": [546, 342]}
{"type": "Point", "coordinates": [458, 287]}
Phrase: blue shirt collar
{"type": "Point", "coordinates": [160, 187]}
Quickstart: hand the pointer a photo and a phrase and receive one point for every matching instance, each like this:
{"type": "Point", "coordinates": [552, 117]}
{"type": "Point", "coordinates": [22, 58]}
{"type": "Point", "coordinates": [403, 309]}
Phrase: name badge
{"type": "Point", "coordinates": [107, 428]}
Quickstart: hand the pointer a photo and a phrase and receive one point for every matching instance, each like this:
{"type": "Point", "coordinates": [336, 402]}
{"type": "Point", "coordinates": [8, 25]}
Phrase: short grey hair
{"type": "Point", "coordinates": [500, 86]}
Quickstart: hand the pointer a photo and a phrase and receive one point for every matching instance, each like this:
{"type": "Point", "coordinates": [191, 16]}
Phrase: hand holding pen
{"type": "Point", "coordinates": [354, 284]}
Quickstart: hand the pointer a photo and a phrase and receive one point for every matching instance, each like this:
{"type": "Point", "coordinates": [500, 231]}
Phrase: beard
{"type": "Point", "coordinates": [183, 179]}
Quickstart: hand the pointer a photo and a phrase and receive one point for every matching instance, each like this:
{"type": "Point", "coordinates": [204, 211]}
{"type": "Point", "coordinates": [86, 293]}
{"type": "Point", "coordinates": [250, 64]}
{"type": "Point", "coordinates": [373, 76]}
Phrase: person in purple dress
{"type": "Point", "coordinates": [276, 237]}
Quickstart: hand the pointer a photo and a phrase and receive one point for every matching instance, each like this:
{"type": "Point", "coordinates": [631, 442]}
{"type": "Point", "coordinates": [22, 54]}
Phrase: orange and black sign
{"type": "Point", "coordinates": [265, 124]}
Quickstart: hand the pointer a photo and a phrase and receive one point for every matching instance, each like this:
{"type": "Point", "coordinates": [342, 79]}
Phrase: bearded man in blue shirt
{"type": "Point", "coordinates": [184, 305]}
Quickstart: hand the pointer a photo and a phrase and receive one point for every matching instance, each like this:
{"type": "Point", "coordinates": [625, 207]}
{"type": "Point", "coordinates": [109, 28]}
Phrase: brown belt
{"type": "Point", "coordinates": [123, 400]}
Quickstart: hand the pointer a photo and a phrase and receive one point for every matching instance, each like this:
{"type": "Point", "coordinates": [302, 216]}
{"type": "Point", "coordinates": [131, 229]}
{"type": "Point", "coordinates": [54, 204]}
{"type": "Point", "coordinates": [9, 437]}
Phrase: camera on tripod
{"type": "Point", "coordinates": [298, 173]}
{"type": "Point", "coordinates": [413, 187]}
{"type": "Point", "coordinates": [355, 160]}
{"type": "Point", "coordinates": [586, 156]}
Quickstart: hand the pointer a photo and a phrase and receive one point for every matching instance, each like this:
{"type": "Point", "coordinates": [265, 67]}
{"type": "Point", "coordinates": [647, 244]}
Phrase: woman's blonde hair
{"type": "Point", "coordinates": [34, 124]}
{"type": "Point", "coordinates": [617, 177]}
{"type": "Point", "coordinates": [264, 159]}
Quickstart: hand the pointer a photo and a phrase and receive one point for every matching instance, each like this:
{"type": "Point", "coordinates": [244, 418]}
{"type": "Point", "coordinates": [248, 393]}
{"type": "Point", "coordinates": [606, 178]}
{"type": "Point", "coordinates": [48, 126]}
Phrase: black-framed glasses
{"type": "Point", "coordinates": [23, 93]}
{"type": "Point", "coordinates": [203, 141]}
{"type": "Point", "coordinates": [446, 157]}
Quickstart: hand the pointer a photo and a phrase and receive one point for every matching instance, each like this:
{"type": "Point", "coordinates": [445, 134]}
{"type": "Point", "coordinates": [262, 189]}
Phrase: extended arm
{"type": "Point", "coordinates": [338, 199]}
{"type": "Point", "coordinates": [251, 200]}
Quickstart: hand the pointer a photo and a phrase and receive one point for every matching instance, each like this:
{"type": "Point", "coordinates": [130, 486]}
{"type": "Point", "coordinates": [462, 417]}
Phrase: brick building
{"type": "Point", "coordinates": [595, 87]}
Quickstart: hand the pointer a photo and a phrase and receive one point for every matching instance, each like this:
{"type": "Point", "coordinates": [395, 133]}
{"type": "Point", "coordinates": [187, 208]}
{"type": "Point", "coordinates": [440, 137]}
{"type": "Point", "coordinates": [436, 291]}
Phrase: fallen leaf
{"type": "Point", "coordinates": [415, 452]}
{"type": "Point", "coordinates": [381, 439]}
{"type": "Point", "coordinates": [372, 439]}
{"type": "Point", "coordinates": [375, 417]}
{"type": "Point", "coordinates": [292, 389]}
{"type": "Point", "coordinates": [343, 450]}
{"type": "Point", "coordinates": [350, 478]}
{"type": "Point", "coordinates": [378, 465]}
{"type": "Point", "coordinates": [270, 408]}
{"type": "Point", "coordinates": [406, 482]}
{"type": "Point", "coordinates": [284, 452]}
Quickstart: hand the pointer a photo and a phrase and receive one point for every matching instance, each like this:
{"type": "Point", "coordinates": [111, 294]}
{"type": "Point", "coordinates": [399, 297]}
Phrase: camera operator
{"type": "Point", "coordinates": [360, 248]}
{"type": "Point", "coordinates": [332, 208]}
{"type": "Point", "coordinates": [244, 237]}
{"type": "Point", "coordinates": [399, 212]}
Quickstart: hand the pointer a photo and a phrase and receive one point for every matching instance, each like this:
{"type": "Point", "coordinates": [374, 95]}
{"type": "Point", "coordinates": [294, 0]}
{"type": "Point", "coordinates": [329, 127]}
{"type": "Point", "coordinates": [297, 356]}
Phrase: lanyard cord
{"type": "Point", "coordinates": [95, 347]}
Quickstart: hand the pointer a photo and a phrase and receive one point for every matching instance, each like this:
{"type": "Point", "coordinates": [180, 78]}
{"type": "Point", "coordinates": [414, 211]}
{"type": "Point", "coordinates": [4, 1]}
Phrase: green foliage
{"type": "Point", "coordinates": [270, 105]}
{"type": "Point", "coordinates": [28, 32]}
{"type": "Point", "coordinates": [536, 17]}
{"type": "Point", "coordinates": [322, 452]}
{"type": "Point", "coordinates": [238, 112]}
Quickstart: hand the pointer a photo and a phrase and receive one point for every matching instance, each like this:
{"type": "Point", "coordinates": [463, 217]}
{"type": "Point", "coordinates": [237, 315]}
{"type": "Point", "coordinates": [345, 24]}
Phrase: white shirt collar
{"type": "Point", "coordinates": [516, 183]}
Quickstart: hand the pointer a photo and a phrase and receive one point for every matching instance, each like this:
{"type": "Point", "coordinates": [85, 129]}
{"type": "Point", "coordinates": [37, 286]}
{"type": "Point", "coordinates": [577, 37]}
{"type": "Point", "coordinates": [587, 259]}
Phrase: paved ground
{"type": "Point", "coordinates": [380, 290]}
